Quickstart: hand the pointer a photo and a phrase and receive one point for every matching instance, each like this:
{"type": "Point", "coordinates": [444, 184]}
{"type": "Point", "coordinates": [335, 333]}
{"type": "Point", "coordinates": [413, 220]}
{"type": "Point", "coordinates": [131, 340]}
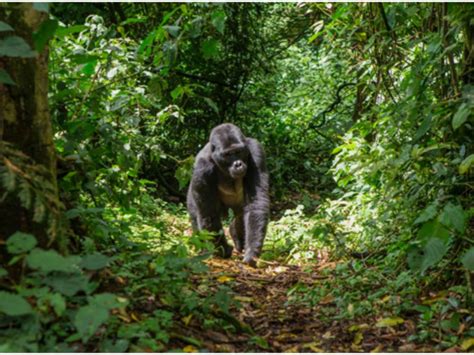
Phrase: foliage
{"type": "Point", "coordinates": [365, 112]}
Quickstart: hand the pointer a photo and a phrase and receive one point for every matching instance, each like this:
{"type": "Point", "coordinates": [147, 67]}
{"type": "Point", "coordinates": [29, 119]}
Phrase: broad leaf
{"type": "Point", "coordinates": [461, 115]}
{"type": "Point", "coordinates": [20, 242]}
{"type": "Point", "coordinates": [41, 6]}
{"type": "Point", "coordinates": [433, 229]}
{"type": "Point", "coordinates": [94, 261]}
{"type": "Point", "coordinates": [5, 78]}
{"type": "Point", "coordinates": [210, 48]}
{"type": "Point", "coordinates": [64, 31]}
{"type": "Point", "coordinates": [454, 216]}
{"type": "Point", "coordinates": [468, 259]}
{"type": "Point", "coordinates": [5, 27]}
{"type": "Point", "coordinates": [427, 214]}
{"type": "Point", "coordinates": [466, 164]}
{"type": "Point", "coordinates": [3, 272]}
{"type": "Point", "coordinates": [107, 301]}
{"type": "Point", "coordinates": [67, 284]}
{"type": "Point", "coordinates": [15, 46]}
{"type": "Point", "coordinates": [13, 305]}
{"type": "Point", "coordinates": [434, 251]}
{"type": "Point", "coordinates": [88, 319]}
{"type": "Point", "coordinates": [50, 260]}
{"type": "Point", "coordinates": [218, 18]}
{"type": "Point", "coordinates": [44, 34]}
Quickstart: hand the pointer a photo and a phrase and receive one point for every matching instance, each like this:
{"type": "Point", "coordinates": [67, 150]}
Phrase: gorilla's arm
{"type": "Point", "coordinates": [204, 192]}
{"type": "Point", "coordinates": [257, 206]}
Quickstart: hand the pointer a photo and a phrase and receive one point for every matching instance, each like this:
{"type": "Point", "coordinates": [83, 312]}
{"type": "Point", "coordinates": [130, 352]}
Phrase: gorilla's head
{"type": "Point", "coordinates": [229, 150]}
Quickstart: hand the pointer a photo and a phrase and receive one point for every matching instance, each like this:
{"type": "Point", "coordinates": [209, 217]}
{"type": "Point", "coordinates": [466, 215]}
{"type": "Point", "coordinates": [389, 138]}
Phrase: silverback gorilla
{"type": "Point", "coordinates": [230, 172]}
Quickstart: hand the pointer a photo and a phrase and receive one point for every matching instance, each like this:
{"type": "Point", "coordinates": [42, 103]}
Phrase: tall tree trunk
{"type": "Point", "coordinates": [28, 188]}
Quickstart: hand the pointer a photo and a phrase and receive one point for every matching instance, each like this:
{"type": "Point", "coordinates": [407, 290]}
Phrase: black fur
{"type": "Point", "coordinates": [230, 172]}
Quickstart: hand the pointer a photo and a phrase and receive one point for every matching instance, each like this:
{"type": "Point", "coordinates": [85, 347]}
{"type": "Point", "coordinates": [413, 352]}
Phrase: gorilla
{"type": "Point", "coordinates": [230, 172]}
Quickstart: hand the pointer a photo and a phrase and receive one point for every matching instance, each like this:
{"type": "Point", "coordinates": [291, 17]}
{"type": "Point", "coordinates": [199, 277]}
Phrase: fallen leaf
{"type": "Point", "coordinates": [407, 348]}
{"type": "Point", "coordinates": [293, 349]}
{"type": "Point", "coordinates": [224, 278]}
{"type": "Point", "coordinates": [377, 349]}
{"type": "Point", "coordinates": [190, 349]}
{"type": "Point", "coordinates": [467, 344]}
{"type": "Point", "coordinates": [187, 319]}
{"type": "Point", "coordinates": [134, 317]}
{"type": "Point", "coordinates": [389, 322]}
{"type": "Point", "coordinates": [356, 327]}
{"type": "Point", "coordinates": [386, 299]}
{"type": "Point", "coordinates": [243, 299]}
{"type": "Point", "coordinates": [327, 335]}
{"type": "Point", "coordinates": [326, 300]}
{"type": "Point", "coordinates": [358, 338]}
{"type": "Point", "coordinates": [313, 347]}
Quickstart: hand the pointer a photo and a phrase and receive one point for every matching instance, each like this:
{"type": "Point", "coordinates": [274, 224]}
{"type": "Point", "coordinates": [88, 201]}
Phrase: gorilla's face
{"type": "Point", "coordinates": [229, 150]}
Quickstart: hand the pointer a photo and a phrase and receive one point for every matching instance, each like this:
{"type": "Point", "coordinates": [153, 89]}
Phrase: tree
{"type": "Point", "coordinates": [29, 195]}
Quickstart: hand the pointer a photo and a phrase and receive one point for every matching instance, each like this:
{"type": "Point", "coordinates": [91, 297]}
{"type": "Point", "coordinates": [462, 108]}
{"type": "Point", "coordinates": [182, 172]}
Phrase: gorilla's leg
{"type": "Point", "coordinates": [213, 224]}
{"type": "Point", "coordinates": [255, 228]}
{"type": "Point", "coordinates": [237, 232]}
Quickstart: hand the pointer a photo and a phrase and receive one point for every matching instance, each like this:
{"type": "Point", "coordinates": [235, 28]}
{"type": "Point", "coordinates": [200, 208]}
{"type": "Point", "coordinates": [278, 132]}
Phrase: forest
{"type": "Point", "coordinates": [364, 112]}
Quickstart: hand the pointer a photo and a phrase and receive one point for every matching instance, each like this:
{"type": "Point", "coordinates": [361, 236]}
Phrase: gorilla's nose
{"type": "Point", "coordinates": [238, 164]}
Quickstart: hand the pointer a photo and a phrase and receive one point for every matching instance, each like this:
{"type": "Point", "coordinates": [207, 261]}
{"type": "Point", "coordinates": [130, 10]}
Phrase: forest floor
{"type": "Point", "coordinates": [270, 321]}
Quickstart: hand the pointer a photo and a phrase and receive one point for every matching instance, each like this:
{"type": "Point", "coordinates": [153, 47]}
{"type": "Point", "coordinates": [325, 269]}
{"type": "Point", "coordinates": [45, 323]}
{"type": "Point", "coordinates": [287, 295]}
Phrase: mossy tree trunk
{"type": "Point", "coordinates": [28, 188]}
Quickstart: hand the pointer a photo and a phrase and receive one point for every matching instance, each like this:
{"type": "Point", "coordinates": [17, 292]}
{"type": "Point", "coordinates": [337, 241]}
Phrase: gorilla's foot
{"type": "Point", "coordinates": [224, 250]}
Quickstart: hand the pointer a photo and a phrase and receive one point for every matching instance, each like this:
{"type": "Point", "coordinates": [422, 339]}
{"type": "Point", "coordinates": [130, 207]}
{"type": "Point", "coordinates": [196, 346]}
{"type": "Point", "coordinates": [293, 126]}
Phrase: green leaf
{"type": "Point", "coordinates": [427, 214]}
{"type": "Point", "coordinates": [20, 242]}
{"type": "Point", "coordinates": [44, 34]}
{"type": "Point", "coordinates": [466, 164]}
{"type": "Point", "coordinates": [13, 305]}
{"type": "Point", "coordinates": [56, 300]}
{"type": "Point", "coordinates": [172, 30]}
{"type": "Point", "coordinates": [433, 229]}
{"type": "Point", "coordinates": [41, 6]}
{"type": "Point", "coordinates": [67, 284]}
{"type": "Point", "coordinates": [88, 319]}
{"type": "Point", "coordinates": [434, 250]}
{"type": "Point", "coordinates": [49, 260]}
{"type": "Point", "coordinates": [15, 46]}
{"type": "Point", "coordinates": [64, 31]}
{"type": "Point", "coordinates": [218, 18]}
{"type": "Point", "coordinates": [210, 48]}
{"type": "Point", "coordinates": [119, 346]}
{"type": "Point", "coordinates": [107, 301]}
{"type": "Point", "coordinates": [211, 104]}
{"type": "Point", "coordinates": [454, 216]}
{"type": "Point", "coordinates": [461, 115]}
{"type": "Point", "coordinates": [94, 261]}
{"type": "Point", "coordinates": [468, 259]}
{"type": "Point", "coordinates": [5, 27]}
{"type": "Point", "coordinates": [3, 272]}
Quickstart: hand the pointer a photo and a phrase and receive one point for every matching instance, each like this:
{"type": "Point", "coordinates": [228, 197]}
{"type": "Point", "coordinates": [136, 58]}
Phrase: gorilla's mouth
{"type": "Point", "coordinates": [237, 173]}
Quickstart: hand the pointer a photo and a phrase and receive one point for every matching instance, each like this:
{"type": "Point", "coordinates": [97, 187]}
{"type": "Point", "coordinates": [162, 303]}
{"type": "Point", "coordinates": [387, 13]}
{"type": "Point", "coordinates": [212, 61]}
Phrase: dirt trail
{"type": "Point", "coordinates": [280, 326]}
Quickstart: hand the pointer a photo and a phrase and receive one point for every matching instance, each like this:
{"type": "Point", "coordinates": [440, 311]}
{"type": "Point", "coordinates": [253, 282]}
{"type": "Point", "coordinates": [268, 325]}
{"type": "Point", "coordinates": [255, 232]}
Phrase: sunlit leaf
{"type": "Point", "coordinates": [467, 344]}
{"type": "Point", "coordinates": [461, 115]}
{"type": "Point", "coordinates": [389, 322]}
{"type": "Point", "coordinates": [44, 34]}
{"type": "Point", "coordinates": [466, 164]}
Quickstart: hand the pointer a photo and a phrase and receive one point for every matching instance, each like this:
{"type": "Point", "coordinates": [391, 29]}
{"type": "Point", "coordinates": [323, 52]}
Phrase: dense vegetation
{"type": "Point", "coordinates": [366, 115]}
